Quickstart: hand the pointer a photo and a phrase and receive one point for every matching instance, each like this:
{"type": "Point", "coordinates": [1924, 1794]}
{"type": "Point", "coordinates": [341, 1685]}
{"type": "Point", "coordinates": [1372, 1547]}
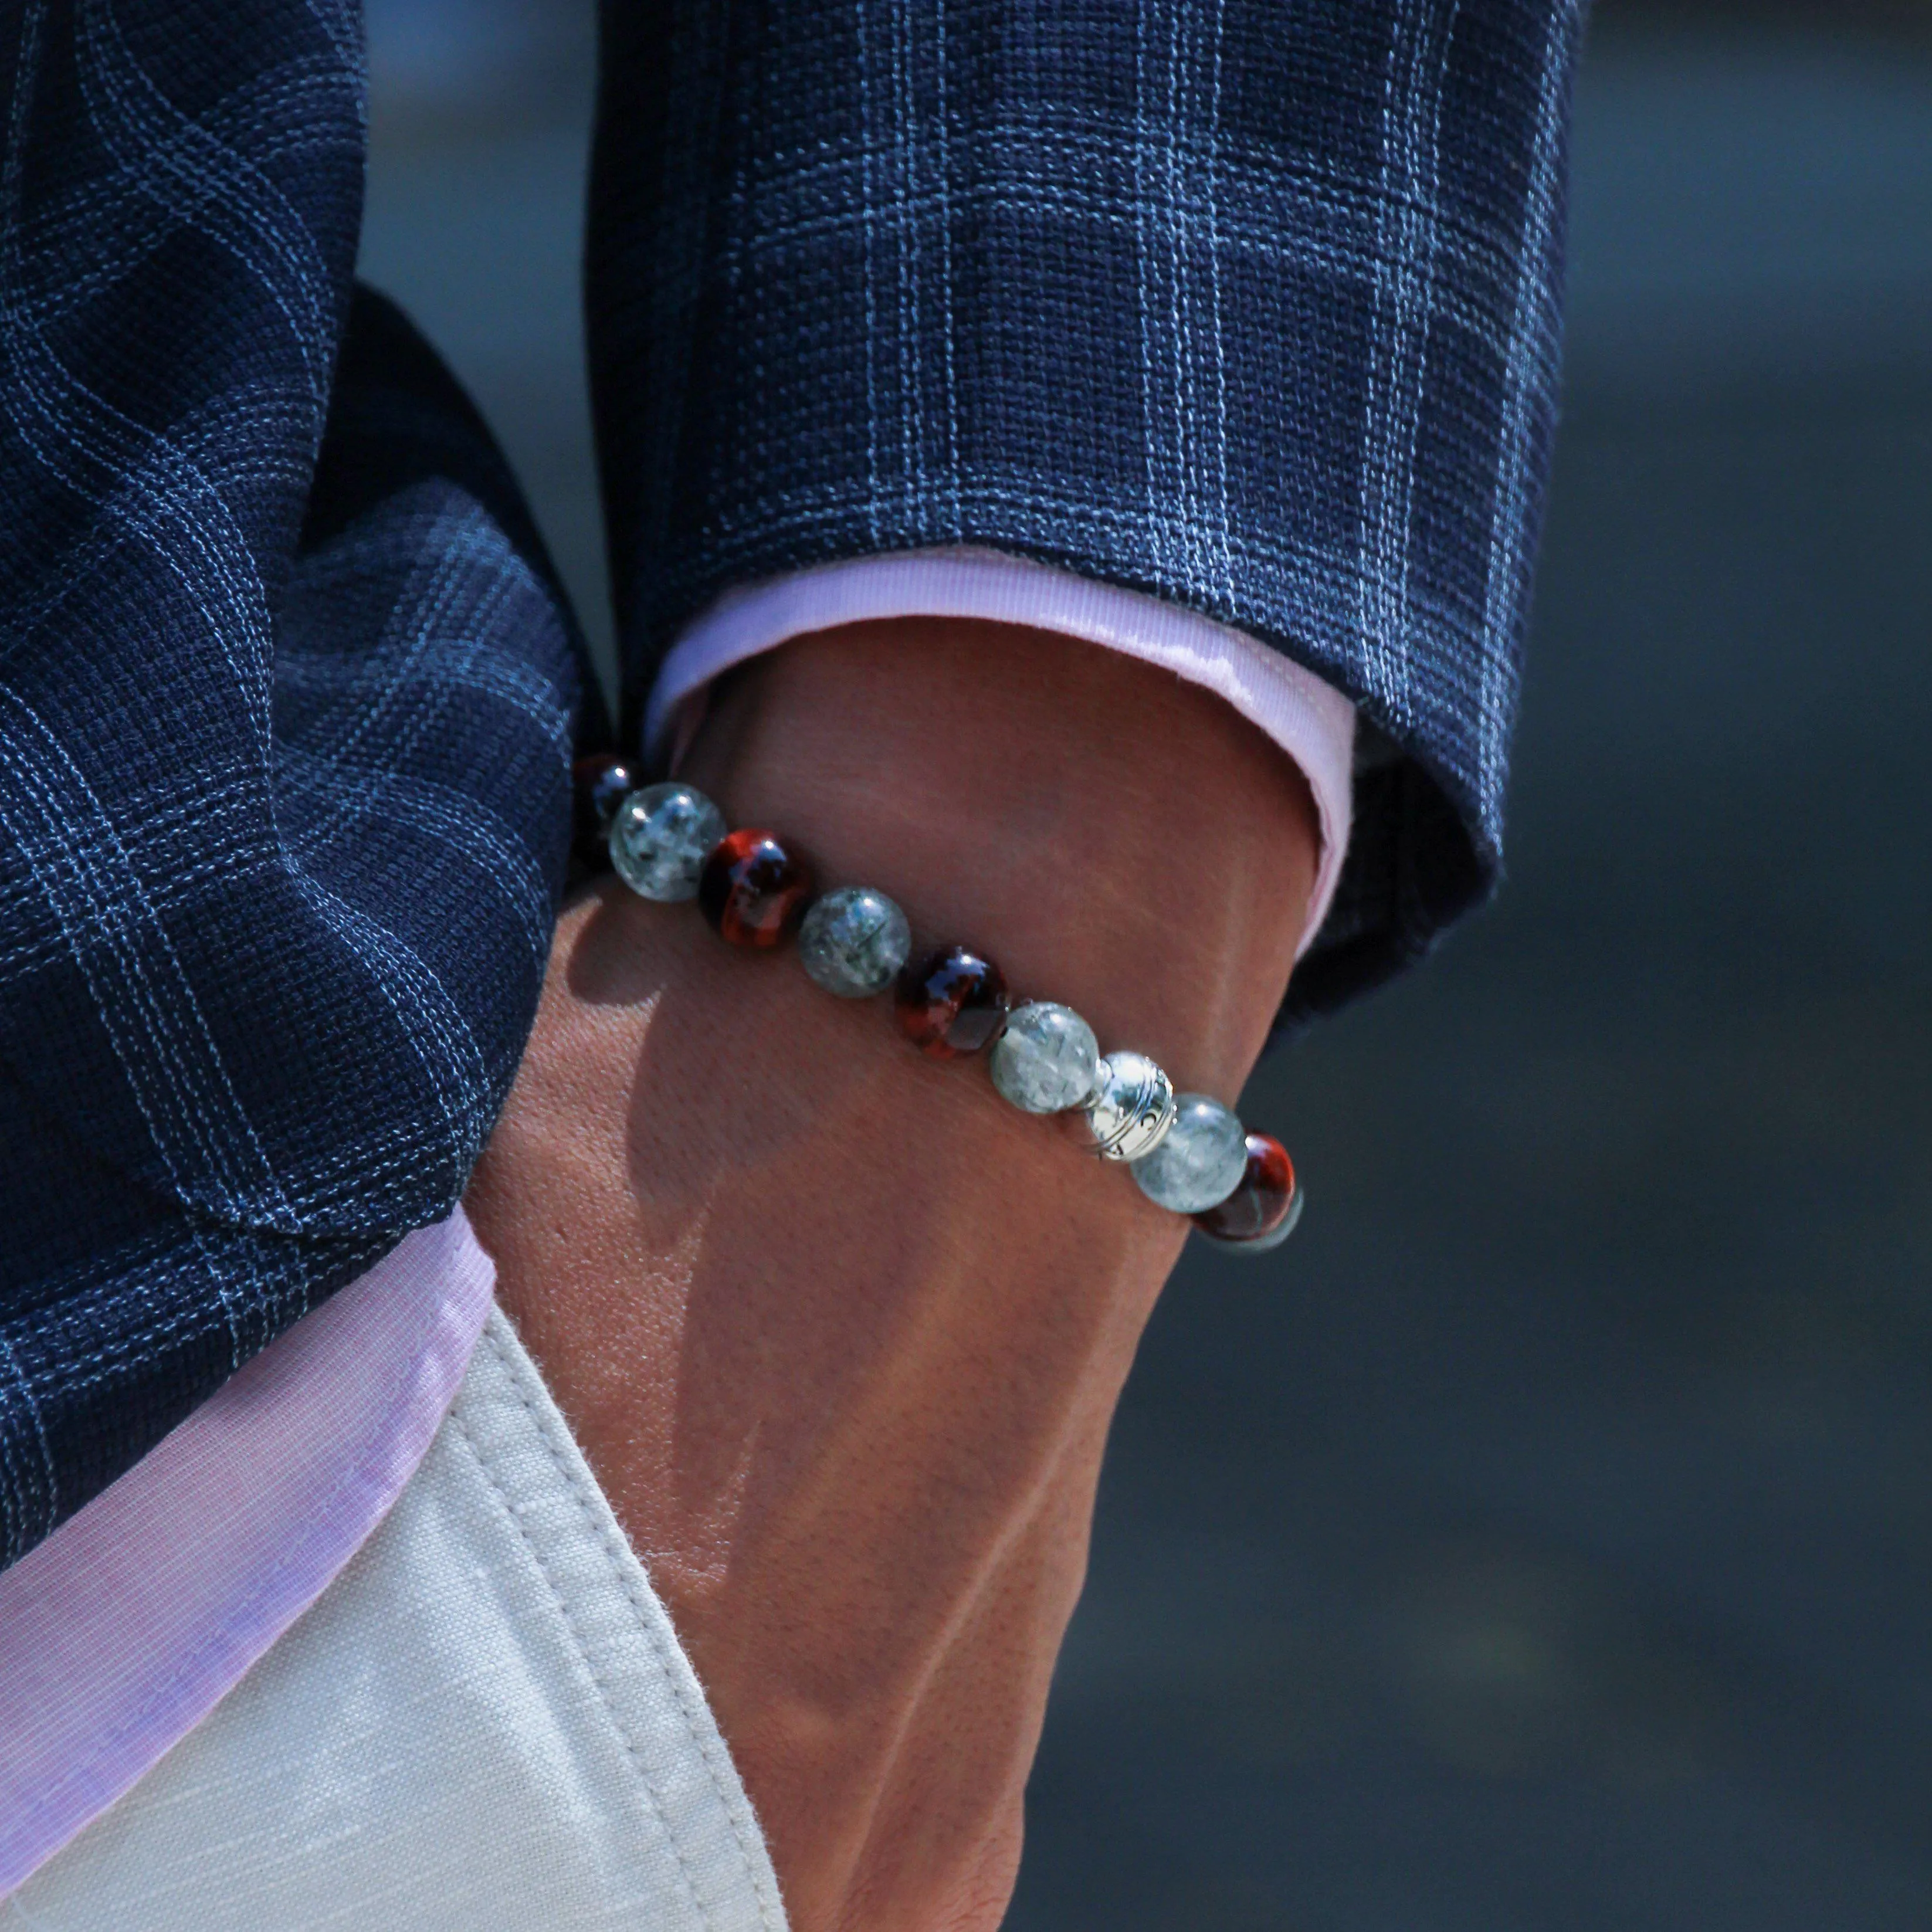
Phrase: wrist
{"type": "Point", "coordinates": [839, 1329]}
{"type": "Point", "coordinates": [1119, 840]}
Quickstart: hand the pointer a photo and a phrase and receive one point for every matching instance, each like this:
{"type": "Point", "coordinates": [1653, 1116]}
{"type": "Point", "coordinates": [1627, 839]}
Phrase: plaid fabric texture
{"type": "Point", "coordinates": [1249, 304]}
{"type": "Point", "coordinates": [283, 811]}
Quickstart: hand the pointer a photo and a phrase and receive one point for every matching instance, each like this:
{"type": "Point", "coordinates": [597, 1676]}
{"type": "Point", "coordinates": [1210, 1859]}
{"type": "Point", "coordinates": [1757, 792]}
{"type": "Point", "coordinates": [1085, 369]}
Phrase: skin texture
{"type": "Point", "coordinates": [840, 1332]}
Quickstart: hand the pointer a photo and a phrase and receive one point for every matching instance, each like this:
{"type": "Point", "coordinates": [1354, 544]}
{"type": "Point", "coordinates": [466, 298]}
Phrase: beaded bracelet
{"type": "Point", "coordinates": [1188, 1153]}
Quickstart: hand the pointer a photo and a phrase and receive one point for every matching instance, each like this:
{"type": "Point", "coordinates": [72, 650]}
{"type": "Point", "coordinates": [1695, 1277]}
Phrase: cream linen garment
{"type": "Point", "coordinates": [485, 1721]}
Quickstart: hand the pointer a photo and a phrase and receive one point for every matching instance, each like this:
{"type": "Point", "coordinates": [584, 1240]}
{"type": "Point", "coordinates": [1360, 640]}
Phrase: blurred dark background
{"type": "Point", "coordinates": [1543, 1538]}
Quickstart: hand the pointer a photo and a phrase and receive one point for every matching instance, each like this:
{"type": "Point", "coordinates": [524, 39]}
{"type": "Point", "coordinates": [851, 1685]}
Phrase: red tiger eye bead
{"type": "Point", "coordinates": [951, 1003]}
{"type": "Point", "coordinates": [752, 890]}
{"type": "Point", "coordinates": [1261, 1212]}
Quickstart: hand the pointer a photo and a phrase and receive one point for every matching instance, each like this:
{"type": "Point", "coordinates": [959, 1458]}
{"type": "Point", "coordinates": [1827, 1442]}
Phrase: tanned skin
{"type": "Point", "coordinates": [840, 1331]}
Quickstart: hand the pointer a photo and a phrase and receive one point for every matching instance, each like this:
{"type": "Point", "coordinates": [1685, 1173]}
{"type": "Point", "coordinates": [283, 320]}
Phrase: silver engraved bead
{"type": "Point", "coordinates": [1047, 1059]}
{"type": "Point", "coordinates": [1201, 1161]}
{"type": "Point", "coordinates": [1133, 1107]}
{"type": "Point", "coordinates": [660, 837]}
{"type": "Point", "coordinates": [853, 942]}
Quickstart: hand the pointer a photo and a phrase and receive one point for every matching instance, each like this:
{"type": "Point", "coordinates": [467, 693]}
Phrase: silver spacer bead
{"type": "Point", "coordinates": [1131, 1109]}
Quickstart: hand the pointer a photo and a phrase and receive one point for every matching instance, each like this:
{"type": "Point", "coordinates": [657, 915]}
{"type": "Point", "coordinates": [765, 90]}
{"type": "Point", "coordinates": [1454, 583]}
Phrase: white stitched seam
{"type": "Point", "coordinates": [620, 1557]}
{"type": "Point", "coordinates": [624, 1737]}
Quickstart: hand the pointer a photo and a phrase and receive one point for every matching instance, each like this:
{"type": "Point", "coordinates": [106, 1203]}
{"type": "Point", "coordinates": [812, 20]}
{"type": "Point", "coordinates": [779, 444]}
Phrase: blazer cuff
{"type": "Point", "coordinates": [1308, 718]}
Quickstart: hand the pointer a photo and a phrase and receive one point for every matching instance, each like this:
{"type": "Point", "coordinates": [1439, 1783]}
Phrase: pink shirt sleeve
{"type": "Point", "coordinates": [124, 1629]}
{"type": "Point", "coordinates": [1311, 721]}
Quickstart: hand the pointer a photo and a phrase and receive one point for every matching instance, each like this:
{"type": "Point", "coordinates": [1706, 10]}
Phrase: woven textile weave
{"type": "Point", "coordinates": [283, 818]}
{"type": "Point", "coordinates": [1250, 303]}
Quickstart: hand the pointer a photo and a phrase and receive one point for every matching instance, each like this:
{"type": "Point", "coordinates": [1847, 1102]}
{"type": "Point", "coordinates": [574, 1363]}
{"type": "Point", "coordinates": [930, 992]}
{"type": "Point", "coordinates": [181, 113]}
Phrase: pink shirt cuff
{"type": "Point", "coordinates": [1310, 720]}
{"type": "Point", "coordinates": [124, 1629]}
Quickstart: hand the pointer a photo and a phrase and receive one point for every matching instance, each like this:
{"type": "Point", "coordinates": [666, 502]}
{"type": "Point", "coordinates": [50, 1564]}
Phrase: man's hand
{"type": "Point", "coordinates": [839, 1330]}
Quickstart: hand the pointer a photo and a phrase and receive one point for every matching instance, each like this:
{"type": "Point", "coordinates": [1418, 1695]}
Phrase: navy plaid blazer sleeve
{"type": "Point", "coordinates": [286, 701]}
{"type": "Point", "coordinates": [1252, 304]}
{"type": "Point", "coordinates": [1248, 304]}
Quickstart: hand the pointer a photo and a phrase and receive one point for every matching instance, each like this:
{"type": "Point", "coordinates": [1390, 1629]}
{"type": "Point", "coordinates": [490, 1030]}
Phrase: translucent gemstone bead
{"type": "Point", "coordinates": [854, 941]}
{"type": "Point", "coordinates": [1266, 1204]}
{"type": "Point", "coordinates": [1201, 1161]}
{"type": "Point", "coordinates": [951, 1003]}
{"type": "Point", "coordinates": [1133, 1107]}
{"type": "Point", "coordinates": [600, 784]}
{"type": "Point", "coordinates": [1047, 1059]}
{"type": "Point", "coordinates": [753, 891]}
{"type": "Point", "coordinates": [659, 839]}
